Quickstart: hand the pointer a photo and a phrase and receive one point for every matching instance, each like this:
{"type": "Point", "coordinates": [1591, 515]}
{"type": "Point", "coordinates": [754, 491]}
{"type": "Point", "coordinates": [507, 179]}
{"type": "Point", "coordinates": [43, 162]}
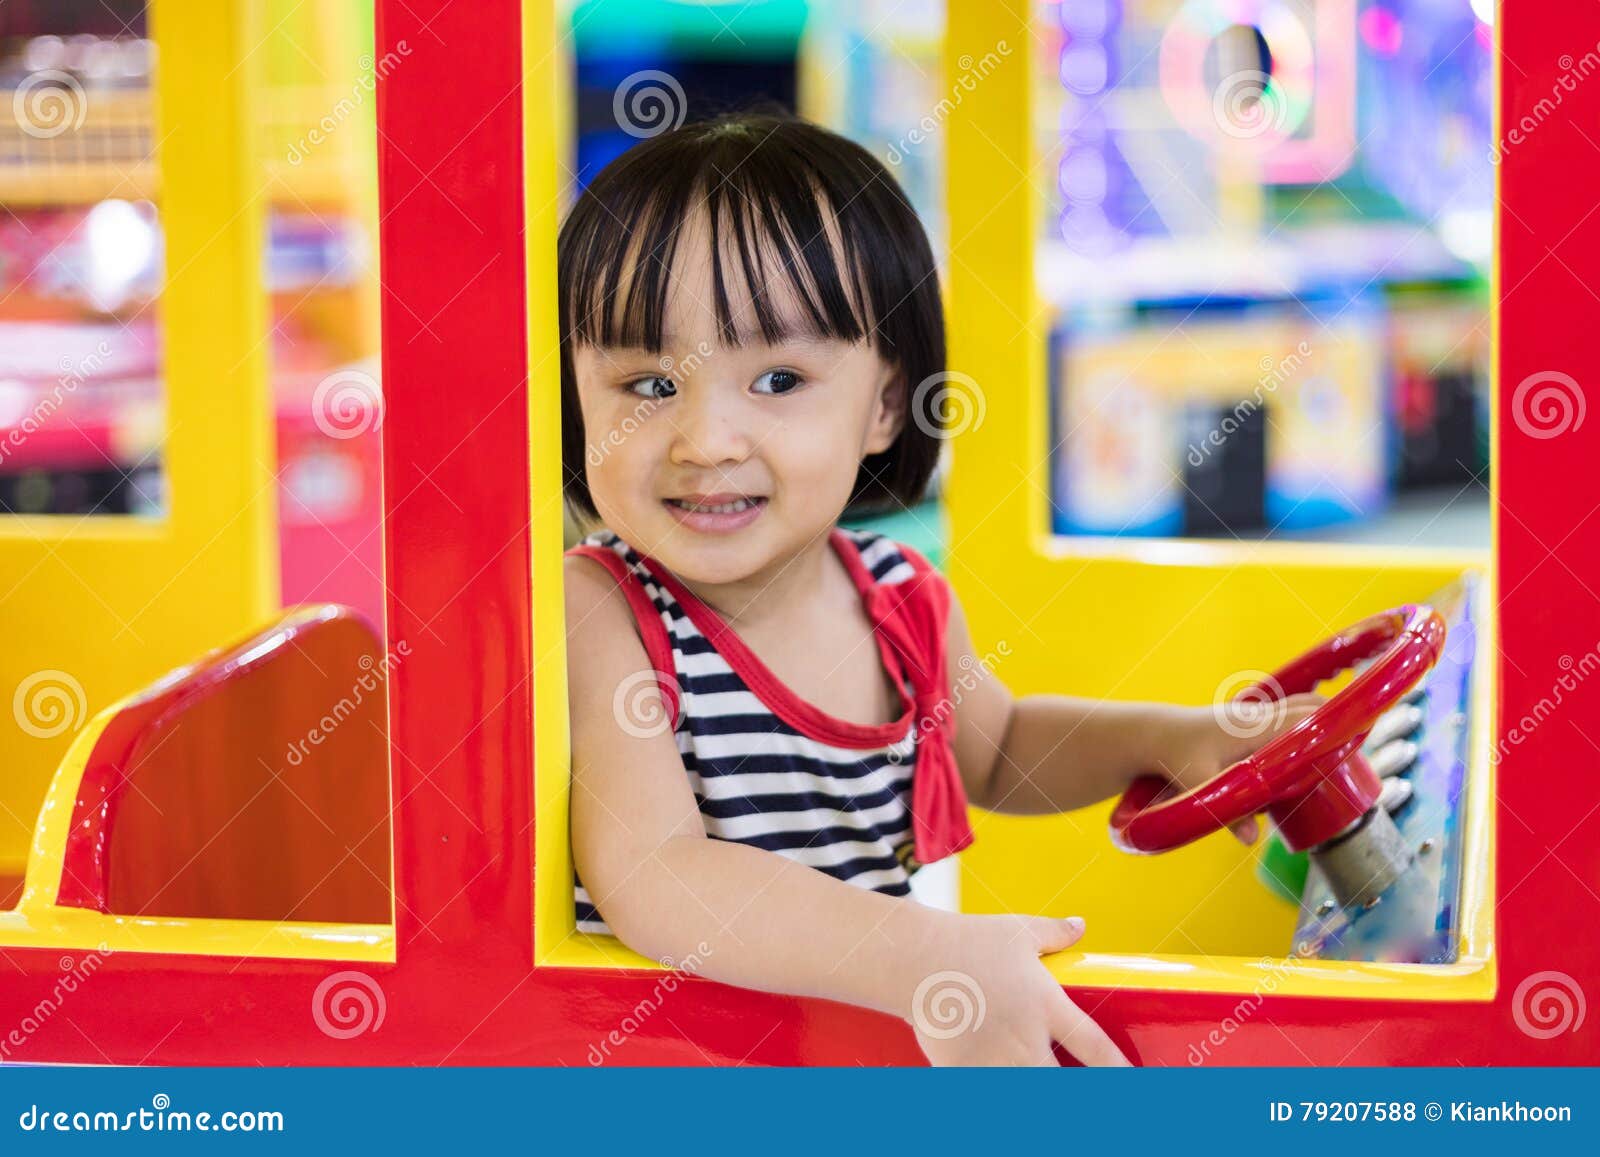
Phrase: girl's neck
{"type": "Point", "coordinates": [767, 593]}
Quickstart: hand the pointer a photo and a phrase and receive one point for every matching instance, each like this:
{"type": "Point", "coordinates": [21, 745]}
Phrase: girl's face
{"type": "Point", "coordinates": [722, 462]}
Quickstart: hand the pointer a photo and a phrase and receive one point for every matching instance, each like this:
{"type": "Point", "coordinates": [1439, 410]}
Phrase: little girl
{"type": "Point", "coordinates": [765, 745]}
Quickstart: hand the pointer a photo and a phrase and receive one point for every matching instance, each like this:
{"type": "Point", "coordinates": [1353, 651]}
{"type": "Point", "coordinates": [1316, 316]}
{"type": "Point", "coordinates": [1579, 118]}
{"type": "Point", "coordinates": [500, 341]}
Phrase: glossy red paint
{"type": "Point", "coordinates": [250, 785]}
{"type": "Point", "coordinates": [1312, 779]}
{"type": "Point", "coordinates": [464, 989]}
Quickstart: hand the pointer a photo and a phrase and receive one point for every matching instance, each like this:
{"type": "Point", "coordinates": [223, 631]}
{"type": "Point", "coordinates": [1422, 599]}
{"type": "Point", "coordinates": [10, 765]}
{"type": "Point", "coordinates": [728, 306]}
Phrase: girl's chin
{"type": "Point", "coordinates": [716, 559]}
{"type": "Point", "coordinates": [717, 564]}
{"type": "Point", "coordinates": [720, 556]}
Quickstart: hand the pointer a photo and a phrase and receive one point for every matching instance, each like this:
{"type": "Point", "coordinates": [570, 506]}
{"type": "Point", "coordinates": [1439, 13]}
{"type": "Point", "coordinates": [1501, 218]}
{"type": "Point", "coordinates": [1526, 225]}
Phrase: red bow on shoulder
{"type": "Point", "coordinates": [911, 616]}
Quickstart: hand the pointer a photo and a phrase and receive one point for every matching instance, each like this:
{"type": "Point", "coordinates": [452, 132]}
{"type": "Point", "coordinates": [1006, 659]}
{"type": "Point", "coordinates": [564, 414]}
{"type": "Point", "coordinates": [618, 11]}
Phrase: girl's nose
{"type": "Point", "coordinates": [708, 431]}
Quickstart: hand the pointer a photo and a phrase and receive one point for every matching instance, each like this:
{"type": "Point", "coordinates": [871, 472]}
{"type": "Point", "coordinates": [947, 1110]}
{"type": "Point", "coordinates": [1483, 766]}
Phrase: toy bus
{"type": "Point", "coordinates": [238, 834]}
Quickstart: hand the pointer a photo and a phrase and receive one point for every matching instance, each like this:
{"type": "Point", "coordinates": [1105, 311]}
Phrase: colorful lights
{"type": "Point", "coordinates": [1090, 171]}
{"type": "Point", "coordinates": [1298, 114]}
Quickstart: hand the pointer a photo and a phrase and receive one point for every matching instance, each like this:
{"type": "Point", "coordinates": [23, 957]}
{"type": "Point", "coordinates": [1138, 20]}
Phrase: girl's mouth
{"type": "Point", "coordinates": [715, 512]}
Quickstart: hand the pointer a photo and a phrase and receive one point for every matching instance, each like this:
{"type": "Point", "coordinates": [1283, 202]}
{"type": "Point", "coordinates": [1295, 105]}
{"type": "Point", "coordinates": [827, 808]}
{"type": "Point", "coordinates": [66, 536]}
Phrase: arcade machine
{"type": "Point", "coordinates": [1429, 68]}
{"type": "Point", "coordinates": [662, 63]}
{"type": "Point", "coordinates": [1223, 163]}
{"type": "Point", "coordinates": [1433, 930]}
{"type": "Point", "coordinates": [1263, 415]}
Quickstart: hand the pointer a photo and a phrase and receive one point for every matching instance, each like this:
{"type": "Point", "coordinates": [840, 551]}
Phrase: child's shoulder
{"type": "Point", "coordinates": [595, 573]}
{"type": "Point", "coordinates": [589, 589]}
{"type": "Point", "coordinates": [602, 560]}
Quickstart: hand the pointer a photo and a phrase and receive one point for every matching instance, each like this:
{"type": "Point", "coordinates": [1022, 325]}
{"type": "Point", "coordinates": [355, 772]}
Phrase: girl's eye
{"type": "Point", "coordinates": [656, 388]}
{"type": "Point", "coordinates": [776, 382]}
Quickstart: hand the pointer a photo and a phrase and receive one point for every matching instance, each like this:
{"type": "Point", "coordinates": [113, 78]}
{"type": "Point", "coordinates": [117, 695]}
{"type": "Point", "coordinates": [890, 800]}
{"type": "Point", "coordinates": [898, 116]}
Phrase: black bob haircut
{"type": "Point", "coordinates": [786, 200]}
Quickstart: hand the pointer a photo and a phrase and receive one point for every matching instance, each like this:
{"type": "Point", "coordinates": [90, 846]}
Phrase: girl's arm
{"type": "Point", "coordinates": [1049, 753]}
{"type": "Point", "coordinates": [755, 919]}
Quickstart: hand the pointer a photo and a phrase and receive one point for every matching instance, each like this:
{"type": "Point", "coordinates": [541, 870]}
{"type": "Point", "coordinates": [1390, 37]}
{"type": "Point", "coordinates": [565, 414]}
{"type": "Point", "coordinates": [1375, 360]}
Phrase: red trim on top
{"type": "Point", "coordinates": [925, 572]}
{"type": "Point", "coordinates": [806, 718]}
{"type": "Point", "coordinates": [652, 631]}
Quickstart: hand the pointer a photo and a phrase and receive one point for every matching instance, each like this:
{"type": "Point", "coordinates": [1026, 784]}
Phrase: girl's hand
{"type": "Point", "coordinates": [1207, 740]}
{"type": "Point", "coordinates": [990, 1001]}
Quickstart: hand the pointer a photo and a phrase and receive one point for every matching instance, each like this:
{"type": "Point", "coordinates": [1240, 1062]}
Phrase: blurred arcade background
{"type": "Point", "coordinates": [1265, 248]}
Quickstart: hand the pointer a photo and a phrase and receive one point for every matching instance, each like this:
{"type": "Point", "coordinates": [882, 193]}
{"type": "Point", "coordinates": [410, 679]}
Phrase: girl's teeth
{"type": "Point", "coordinates": [718, 508]}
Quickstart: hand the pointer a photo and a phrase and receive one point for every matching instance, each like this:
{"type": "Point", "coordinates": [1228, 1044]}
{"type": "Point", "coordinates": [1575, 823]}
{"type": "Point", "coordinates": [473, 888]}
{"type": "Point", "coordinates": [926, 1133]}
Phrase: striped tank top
{"type": "Point", "coordinates": [767, 768]}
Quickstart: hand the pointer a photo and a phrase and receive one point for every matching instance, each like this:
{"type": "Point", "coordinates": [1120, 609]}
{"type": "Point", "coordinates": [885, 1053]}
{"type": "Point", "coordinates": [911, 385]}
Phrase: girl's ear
{"type": "Point", "coordinates": [889, 411]}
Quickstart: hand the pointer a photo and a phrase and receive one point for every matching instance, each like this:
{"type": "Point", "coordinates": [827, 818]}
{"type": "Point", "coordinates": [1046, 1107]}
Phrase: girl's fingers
{"type": "Point", "coordinates": [1081, 1037]}
{"type": "Point", "coordinates": [1246, 830]}
{"type": "Point", "coordinates": [1051, 934]}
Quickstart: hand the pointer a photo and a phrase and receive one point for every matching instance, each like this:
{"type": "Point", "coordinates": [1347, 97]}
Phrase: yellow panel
{"type": "Point", "coordinates": [1173, 630]}
{"type": "Point", "coordinates": [96, 607]}
{"type": "Point", "coordinates": [543, 110]}
{"type": "Point", "coordinates": [260, 940]}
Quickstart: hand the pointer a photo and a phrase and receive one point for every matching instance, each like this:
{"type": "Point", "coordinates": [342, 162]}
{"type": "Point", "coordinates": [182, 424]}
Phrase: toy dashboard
{"type": "Point", "coordinates": [1422, 749]}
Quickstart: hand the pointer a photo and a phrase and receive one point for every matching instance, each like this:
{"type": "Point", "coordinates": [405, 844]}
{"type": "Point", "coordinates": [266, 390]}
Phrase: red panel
{"type": "Point", "coordinates": [1549, 536]}
{"type": "Point", "coordinates": [456, 484]}
{"type": "Point", "coordinates": [253, 786]}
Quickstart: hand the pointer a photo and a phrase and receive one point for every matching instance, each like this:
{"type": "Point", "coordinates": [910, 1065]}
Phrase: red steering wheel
{"type": "Point", "coordinates": [1312, 780]}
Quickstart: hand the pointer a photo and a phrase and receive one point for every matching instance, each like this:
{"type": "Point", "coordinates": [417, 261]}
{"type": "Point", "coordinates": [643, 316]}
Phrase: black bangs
{"type": "Point", "coordinates": [762, 205]}
{"type": "Point", "coordinates": [810, 236]}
